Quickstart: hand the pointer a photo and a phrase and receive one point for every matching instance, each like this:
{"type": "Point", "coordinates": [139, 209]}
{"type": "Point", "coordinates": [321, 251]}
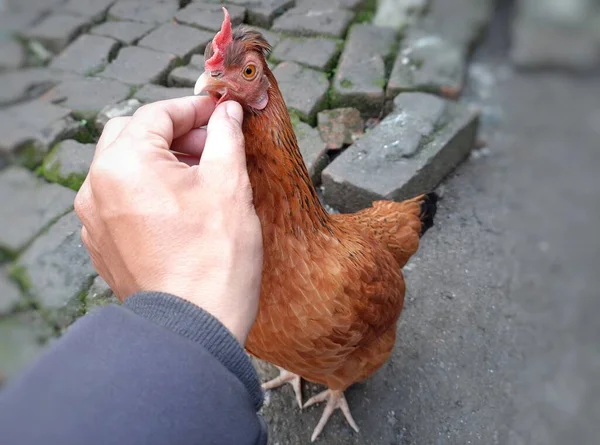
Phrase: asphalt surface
{"type": "Point", "coordinates": [499, 342]}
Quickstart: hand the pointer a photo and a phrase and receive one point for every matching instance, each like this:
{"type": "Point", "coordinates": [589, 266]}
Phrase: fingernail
{"type": "Point", "coordinates": [234, 111]}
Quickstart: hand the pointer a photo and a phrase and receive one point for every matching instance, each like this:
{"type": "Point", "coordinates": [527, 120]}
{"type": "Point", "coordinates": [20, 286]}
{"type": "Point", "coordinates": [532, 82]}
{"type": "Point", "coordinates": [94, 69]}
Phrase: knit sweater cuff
{"type": "Point", "coordinates": [197, 325]}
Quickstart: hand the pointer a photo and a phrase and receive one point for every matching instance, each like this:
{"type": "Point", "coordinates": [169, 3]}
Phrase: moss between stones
{"type": "Point", "coordinates": [346, 83]}
{"type": "Point", "coordinates": [20, 275]}
{"type": "Point", "coordinates": [88, 133]}
{"type": "Point", "coordinates": [50, 170]}
{"type": "Point", "coordinates": [380, 83]}
{"type": "Point", "coordinates": [29, 155]}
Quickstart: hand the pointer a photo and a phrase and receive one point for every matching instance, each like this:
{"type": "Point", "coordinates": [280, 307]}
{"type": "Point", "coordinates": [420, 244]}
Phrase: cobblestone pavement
{"type": "Point", "coordinates": [378, 96]}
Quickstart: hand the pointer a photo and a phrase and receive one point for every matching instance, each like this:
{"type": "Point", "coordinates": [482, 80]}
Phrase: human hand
{"type": "Point", "coordinates": [167, 206]}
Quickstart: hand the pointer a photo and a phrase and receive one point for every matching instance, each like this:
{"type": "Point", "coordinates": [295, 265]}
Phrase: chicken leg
{"type": "Point", "coordinates": [335, 400]}
{"type": "Point", "coordinates": [286, 377]}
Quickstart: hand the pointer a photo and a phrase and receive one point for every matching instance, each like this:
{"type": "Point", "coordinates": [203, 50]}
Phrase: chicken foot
{"type": "Point", "coordinates": [335, 400]}
{"type": "Point", "coordinates": [286, 377]}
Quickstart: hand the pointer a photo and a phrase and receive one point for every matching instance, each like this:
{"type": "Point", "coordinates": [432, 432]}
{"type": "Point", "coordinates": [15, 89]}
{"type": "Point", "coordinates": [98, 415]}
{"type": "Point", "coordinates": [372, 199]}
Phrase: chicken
{"type": "Point", "coordinates": [332, 288]}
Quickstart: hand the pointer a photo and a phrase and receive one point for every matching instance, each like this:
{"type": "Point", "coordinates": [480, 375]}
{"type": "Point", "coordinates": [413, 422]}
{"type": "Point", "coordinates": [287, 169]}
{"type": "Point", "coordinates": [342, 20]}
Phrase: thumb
{"type": "Point", "coordinates": [224, 149]}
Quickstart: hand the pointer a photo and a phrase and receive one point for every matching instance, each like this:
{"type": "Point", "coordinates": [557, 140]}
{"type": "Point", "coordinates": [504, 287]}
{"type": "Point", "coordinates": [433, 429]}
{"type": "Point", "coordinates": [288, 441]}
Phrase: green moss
{"type": "Point", "coordinates": [346, 83]}
{"type": "Point", "coordinates": [87, 134]}
{"type": "Point", "coordinates": [50, 170]}
{"type": "Point", "coordinates": [379, 83]}
{"type": "Point", "coordinates": [20, 275]}
{"type": "Point", "coordinates": [29, 155]}
{"type": "Point", "coordinates": [364, 17]}
{"type": "Point", "coordinates": [295, 117]}
{"type": "Point", "coordinates": [333, 97]}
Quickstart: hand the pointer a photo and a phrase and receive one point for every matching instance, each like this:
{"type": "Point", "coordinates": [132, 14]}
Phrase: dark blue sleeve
{"type": "Point", "coordinates": [158, 370]}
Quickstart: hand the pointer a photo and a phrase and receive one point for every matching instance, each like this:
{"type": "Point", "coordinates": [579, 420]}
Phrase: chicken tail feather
{"type": "Point", "coordinates": [428, 211]}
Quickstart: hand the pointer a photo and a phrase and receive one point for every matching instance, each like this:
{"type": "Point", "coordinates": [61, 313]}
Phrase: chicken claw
{"type": "Point", "coordinates": [335, 400]}
{"type": "Point", "coordinates": [286, 377]}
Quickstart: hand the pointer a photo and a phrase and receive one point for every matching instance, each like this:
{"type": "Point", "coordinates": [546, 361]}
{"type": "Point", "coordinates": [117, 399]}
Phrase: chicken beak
{"type": "Point", "coordinates": [208, 84]}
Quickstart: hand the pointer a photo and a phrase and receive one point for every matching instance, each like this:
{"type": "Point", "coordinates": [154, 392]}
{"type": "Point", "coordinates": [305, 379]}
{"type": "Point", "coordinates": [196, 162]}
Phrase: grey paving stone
{"type": "Point", "coordinates": [124, 108]}
{"type": "Point", "coordinates": [86, 55]}
{"type": "Point", "coordinates": [315, 17]}
{"type": "Point", "coordinates": [10, 294]}
{"type": "Point", "coordinates": [138, 66]}
{"type": "Point", "coordinates": [397, 14]}
{"type": "Point", "coordinates": [340, 127]}
{"type": "Point", "coordinates": [16, 21]}
{"type": "Point", "coordinates": [23, 337]}
{"type": "Point", "coordinates": [29, 204]}
{"type": "Point", "coordinates": [86, 97]}
{"type": "Point", "coordinates": [184, 76]}
{"type": "Point", "coordinates": [312, 148]}
{"type": "Point", "coordinates": [145, 11]}
{"type": "Point", "coordinates": [36, 124]}
{"type": "Point", "coordinates": [56, 31]}
{"type": "Point", "coordinates": [180, 40]}
{"type": "Point", "coordinates": [99, 295]}
{"type": "Point", "coordinates": [125, 32]}
{"type": "Point", "coordinates": [209, 15]}
{"type": "Point", "coordinates": [154, 93]}
{"type": "Point", "coordinates": [68, 163]}
{"type": "Point", "coordinates": [12, 55]}
{"type": "Point", "coordinates": [304, 90]}
{"type": "Point", "coordinates": [314, 52]}
{"type": "Point", "coordinates": [427, 62]}
{"type": "Point", "coordinates": [29, 83]}
{"type": "Point", "coordinates": [262, 12]}
{"type": "Point", "coordinates": [538, 44]}
{"type": "Point", "coordinates": [94, 9]}
{"type": "Point", "coordinates": [410, 152]}
{"type": "Point", "coordinates": [360, 79]}
{"type": "Point", "coordinates": [59, 269]}
{"type": "Point", "coordinates": [347, 4]}
{"type": "Point", "coordinates": [459, 21]}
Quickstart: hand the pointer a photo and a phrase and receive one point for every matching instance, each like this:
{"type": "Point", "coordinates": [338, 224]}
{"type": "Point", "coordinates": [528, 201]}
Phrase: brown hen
{"type": "Point", "coordinates": [332, 287]}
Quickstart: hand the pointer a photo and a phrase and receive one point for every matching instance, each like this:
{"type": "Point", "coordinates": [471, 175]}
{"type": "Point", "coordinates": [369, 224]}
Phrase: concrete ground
{"type": "Point", "coordinates": [499, 341]}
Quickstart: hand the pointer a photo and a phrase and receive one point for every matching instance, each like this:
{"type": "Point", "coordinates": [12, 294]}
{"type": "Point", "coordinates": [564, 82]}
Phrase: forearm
{"type": "Point", "coordinates": [158, 370]}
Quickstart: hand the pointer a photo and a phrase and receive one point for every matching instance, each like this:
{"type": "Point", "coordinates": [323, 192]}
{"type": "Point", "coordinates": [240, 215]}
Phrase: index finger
{"type": "Point", "coordinates": [162, 122]}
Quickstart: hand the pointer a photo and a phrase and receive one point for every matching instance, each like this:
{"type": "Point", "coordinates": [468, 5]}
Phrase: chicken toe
{"type": "Point", "coordinates": [335, 400]}
{"type": "Point", "coordinates": [286, 377]}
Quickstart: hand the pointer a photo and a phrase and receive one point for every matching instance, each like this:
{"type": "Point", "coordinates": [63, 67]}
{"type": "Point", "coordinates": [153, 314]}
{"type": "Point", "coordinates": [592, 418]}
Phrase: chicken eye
{"type": "Point", "coordinates": [249, 72]}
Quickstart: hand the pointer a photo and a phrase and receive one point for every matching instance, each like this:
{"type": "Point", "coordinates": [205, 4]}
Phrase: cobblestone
{"type": "Point", "coordinates": [23, 338]}
{"type": "Point", "coordinates": [426, 62]}
{"type": "Point", "coordinates": [138, 66]}
{"type": "Point", "coordinates": [86, 97]}
{"type": "Point", "coordinates": [461, 22]}
{"type": "Point", "coordinates": [398, 14]}
{"type": "Point", "coordinates": [145, 11]}
{"type": "Point", "coordinates": [86, 55]}
{"type": "Point", "coordinates": [57, 269]}
{"type": "Point", "coordinates": [313, 18]}
{"type": "Point", "coordinates": [209, 16]}
{"type": "Point", "coordinates": [68, 163]}
{"type": "Point", "coordinates": [124, 108]}
{"type": "Point", "coordinates": [30, 122]}
{"type": "Point", "coordinates": [29, 205]}
{"type": "Point", "coordinates": [154, 93]}
{"type": "Point", "coordinates": [360, 79]}
{"type": "Point", "coordinates": [25, 84]}
{"type": "Point", "coordinates": [10, 294]}
{"type": "Point", "coordinates": [409, 153]}
{"type": "Point", "coordinates": [262, 12]}
{"type": "Point", "coordinates": [96, 10]}
{"type": "Point", "coordinates": [12, 55]}
{"type": "Point", "coordinates": [318, 52]}
{"type": "Point", "coordinates": [312, 148]}
{"type": "Point", "coordinates": [180, 40]}
{"type": "Point", "coordinates": [303, 89]}
{"type": "Point", "coordinates": [99, 295]}
{"type": "Point", "coordinates": [184, 76]}
{"type": "Point", "coordinates": [56, 31]}
{"type": "Point", "coordinates": [125, 32]}
{"type": "Point", "coordinates": [340, 127]}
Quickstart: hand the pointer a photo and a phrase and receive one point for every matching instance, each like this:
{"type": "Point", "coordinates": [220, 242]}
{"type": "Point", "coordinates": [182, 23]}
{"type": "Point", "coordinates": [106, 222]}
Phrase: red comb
{"type": "Point", "coordinates": [219, 45]}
